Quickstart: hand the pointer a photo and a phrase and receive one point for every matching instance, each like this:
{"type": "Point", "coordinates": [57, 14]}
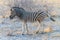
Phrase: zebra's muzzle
{"type": "Point", "coordinates": [10, 17]}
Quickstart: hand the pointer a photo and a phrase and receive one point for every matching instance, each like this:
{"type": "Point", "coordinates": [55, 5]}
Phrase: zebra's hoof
{"type": "Point", "coordinates": [37, 32]}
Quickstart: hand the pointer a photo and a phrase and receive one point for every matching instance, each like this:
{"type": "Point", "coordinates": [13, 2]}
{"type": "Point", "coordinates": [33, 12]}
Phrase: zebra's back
{"type": "Point", "coordinates": [31, 16]}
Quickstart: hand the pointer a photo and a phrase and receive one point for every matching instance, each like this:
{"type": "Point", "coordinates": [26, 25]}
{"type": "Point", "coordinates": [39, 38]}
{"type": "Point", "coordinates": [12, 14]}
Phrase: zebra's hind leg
{"type": "Point", "coordinates": [40, 28]}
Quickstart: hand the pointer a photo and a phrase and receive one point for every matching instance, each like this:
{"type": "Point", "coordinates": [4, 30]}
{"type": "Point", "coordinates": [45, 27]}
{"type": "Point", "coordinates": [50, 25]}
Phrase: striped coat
{"type": "Point", "coordinates": [28, 16]}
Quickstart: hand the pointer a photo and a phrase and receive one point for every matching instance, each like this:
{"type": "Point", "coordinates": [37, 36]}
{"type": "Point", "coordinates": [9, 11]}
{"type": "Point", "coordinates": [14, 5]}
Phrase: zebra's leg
{"type": "Point", "coordinates": [40, 28]}
{"type": "Point", "coordinates": [25, 28]}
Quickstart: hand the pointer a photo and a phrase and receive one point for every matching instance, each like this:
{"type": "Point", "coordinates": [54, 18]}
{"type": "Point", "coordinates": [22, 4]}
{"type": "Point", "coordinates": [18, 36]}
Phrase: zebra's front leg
{"type": "Point", "coordinates": [24, 28]}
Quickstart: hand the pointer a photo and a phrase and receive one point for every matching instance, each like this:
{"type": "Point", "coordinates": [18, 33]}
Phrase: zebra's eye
{"type": "Point", "coordinates": [11, 9]}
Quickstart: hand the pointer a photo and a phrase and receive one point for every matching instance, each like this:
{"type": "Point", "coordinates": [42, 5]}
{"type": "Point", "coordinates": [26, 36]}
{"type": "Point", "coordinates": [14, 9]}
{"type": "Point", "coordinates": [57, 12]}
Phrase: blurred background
{"type": "Point", "coordinates": [14, 26]}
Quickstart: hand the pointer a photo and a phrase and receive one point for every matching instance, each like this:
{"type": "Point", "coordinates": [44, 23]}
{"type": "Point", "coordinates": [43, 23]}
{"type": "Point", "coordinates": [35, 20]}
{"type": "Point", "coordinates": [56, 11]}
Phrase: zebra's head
{"type": "Point", "coordinates": [13, 13]}
{"type": "Point", "coordinates": [16, 11]}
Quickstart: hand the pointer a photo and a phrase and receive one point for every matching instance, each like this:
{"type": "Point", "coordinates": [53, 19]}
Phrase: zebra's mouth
{"type": "Point", "coordinates": [11, 17]}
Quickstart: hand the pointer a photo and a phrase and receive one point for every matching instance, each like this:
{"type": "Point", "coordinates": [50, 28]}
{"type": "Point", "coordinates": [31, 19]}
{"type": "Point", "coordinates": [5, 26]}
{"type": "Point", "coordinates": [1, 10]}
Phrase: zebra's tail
{"type": "Point", "coordinates": [52, 19]}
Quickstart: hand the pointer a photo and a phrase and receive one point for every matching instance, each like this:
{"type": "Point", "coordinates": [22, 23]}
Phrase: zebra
{"type": "Point", "coordinates": [28, 16]}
